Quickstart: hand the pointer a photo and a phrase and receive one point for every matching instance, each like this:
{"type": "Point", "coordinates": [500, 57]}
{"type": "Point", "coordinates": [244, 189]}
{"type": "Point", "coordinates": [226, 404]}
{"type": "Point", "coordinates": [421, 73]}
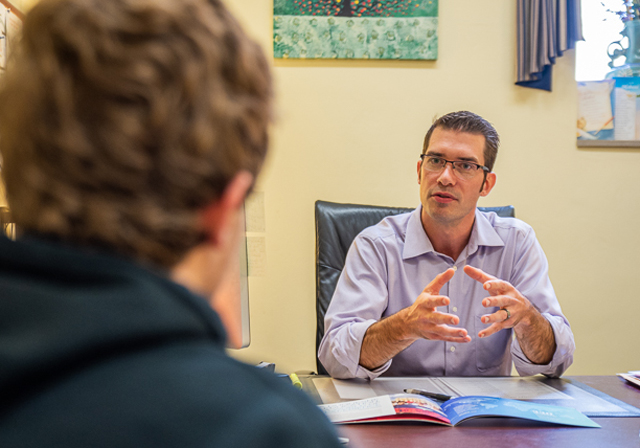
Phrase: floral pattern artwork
{"type": "Point", "coordinates": [355, 29]}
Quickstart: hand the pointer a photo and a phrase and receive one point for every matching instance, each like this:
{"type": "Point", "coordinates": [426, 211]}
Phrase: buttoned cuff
{"type": "Point", "coordinates": [562, 358]}
{"type": "Point", "coordinates": [345, 353]}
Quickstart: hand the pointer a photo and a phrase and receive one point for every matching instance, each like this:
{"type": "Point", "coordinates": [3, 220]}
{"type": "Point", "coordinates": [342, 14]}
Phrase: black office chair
{"type": "Point", "coordinates": [336, 227]}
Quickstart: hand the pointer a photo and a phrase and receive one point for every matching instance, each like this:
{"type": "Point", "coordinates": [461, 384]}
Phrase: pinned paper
{"type": "Point", "coordinates": [594, 108]}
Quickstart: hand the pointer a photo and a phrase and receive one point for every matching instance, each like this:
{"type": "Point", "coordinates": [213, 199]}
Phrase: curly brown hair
{"type": "Point", "coordinates": [120, 119]}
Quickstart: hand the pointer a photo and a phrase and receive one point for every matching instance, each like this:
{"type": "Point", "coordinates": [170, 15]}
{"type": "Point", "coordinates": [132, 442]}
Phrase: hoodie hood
{"type": "Point", "coordinates": [63, 309]}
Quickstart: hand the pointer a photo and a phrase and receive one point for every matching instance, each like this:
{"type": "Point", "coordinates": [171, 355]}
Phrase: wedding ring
{"type": "Point", "coordinates": [508, 313]}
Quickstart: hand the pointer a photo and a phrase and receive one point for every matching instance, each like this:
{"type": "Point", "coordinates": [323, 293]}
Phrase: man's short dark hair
{"type": "Point", "coordinates": [121, 119]}
{"type": "Point", "coordinates": [464, 121]}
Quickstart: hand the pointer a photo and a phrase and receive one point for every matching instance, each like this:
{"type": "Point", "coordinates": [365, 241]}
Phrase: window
{"type": "Point", "coordinates": [600, 27]}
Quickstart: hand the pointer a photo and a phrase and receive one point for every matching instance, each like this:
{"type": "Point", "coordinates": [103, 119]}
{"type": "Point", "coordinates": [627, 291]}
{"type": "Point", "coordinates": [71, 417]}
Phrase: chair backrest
{"type": "Point", "coordinates": [336, 227]}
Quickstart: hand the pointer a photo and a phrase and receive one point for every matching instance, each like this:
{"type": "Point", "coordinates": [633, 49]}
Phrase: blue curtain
{"type": "Point", "coordinates": [546, 28]}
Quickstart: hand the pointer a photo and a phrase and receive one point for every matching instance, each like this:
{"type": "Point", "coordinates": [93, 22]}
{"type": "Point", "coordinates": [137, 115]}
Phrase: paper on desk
{"type": "Point", "coordinates": [632, 377]}
{"type": "Point", "coordinates": [385, 385]}
{"type": "Point", "coordinates": [356, 389]}
{"type": "Point", "coordinates": [356, 410]}
{"type": "Point", "coordinates": [514, 388]}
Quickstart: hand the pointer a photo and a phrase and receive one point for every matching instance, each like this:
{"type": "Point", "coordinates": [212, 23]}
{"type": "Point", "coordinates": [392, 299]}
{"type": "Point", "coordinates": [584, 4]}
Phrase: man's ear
{"type": "Point", "coordinates": [217, 220]}
{"type": "Point", "coordinates": [489, 183]}
{"type": "Point", "coordinates": [419, 170]}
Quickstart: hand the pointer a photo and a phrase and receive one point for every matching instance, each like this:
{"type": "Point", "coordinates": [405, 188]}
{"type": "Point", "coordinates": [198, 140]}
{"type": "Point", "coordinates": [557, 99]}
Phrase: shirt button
{"type": "Point", "coordinates": [455, 309]}
{"type": "Point", "coordinates": [452, 349]}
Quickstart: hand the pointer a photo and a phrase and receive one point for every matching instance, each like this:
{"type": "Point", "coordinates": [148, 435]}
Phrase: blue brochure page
{"type": "Point", "coordinates": [463, 408]}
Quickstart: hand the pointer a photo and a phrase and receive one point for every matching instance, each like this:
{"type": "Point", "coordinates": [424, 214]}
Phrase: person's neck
{"type": "Point", "coordinates": [449, 238]}
{"type": "Point", "coordinates": [200, 270]}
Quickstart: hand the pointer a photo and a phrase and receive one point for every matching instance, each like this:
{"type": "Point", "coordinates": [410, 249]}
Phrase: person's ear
{"type": "Point", "coordinates": [218, 219]}
{"type": "Point", "coordinates": [419, 170]}
{"type": "Point", "coordinates": [489, 183]}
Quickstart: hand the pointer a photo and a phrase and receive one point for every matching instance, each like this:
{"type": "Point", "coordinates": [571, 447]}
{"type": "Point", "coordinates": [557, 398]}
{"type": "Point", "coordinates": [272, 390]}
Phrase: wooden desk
{"type": "Point", "coordinates": [509, 433]}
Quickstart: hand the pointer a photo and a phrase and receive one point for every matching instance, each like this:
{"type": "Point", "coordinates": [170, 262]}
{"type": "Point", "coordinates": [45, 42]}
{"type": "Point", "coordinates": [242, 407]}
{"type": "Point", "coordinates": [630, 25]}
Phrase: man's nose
{"type": "Point", "coordinates": [447, 176]}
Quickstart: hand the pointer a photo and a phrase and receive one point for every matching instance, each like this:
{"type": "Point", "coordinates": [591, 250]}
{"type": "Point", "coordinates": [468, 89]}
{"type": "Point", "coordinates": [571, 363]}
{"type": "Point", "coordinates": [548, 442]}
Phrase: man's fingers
{"type": "Point", "coordinates": [497, 317]}
{"type": "Point", "coordinates": [425, 311]}
{"type": "Point", "coordinates": [495, 287]}
{"type": "Point", "coordinates": [446, 333]}
{"type": "Point", "coordinates": [491, 329]}
{"type": "Point", "coordinates": [437, 283]}
{"type": "Point", "coordinates": [489, 283]}
{"type": "Point", "coordinates": [444, 319]}
{"type": "Point", "coordinates": [499, 301]}
{"type": "Point", "coordinates": [438, 337]}
{"type": "Point", "coordinates": [478, 274]}
{"type": "Point", "coordinates": [426, 300]}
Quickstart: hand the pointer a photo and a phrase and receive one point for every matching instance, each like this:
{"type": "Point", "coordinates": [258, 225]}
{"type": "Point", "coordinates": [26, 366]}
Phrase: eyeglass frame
{"type": "Point", "coordinates": [485, 170]}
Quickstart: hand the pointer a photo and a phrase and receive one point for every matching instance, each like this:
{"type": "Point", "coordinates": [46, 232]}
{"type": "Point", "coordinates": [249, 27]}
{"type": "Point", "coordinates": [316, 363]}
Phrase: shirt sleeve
{"type": "Point", "coordinates": [531, 278]}
{"type": "Point", "coordinates": [360, 298]}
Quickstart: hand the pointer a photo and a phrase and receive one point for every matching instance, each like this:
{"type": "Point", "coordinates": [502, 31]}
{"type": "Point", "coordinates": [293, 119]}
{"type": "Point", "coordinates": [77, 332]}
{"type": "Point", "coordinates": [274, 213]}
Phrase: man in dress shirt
{"type": "Point", "coordinates": [440, 291]}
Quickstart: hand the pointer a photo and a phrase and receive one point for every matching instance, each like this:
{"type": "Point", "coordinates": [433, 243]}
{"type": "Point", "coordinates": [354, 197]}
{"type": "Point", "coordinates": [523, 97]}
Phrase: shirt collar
{"type": "Point", "coordinates": [417, 242]}
{"type": "Point", "coordinates": [482, 234]}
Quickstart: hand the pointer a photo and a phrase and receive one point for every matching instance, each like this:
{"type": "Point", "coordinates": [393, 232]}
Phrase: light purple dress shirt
{"type": "Point", "coordinates": [388, 266]}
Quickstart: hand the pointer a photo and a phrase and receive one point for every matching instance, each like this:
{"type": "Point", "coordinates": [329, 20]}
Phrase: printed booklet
{"type": "Point", "coordinates": [410, 407]}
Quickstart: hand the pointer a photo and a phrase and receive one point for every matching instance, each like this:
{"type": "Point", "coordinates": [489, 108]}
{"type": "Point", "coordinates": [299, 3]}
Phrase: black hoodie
{"type": "Point", "coordinates": [98, 351]}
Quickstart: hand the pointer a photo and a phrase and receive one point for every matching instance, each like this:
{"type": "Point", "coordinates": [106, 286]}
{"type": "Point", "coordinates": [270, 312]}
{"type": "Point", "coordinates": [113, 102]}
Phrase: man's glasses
{"type": "Point", "coordinates": [463, 170]}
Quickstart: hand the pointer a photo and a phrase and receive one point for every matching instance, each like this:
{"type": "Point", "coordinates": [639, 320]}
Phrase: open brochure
{"type": "Point", "coordinates": [410, 407]}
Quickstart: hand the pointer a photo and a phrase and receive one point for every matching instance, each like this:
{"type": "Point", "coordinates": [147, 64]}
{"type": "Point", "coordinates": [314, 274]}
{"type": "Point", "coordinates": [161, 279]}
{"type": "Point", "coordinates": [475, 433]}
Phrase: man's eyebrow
{"type": "Point", "coordinates": [463, 159]}
{"type": "Point", "coordinates": [435, 154]}
{"type": "Point", "coordinates": [469, 159]}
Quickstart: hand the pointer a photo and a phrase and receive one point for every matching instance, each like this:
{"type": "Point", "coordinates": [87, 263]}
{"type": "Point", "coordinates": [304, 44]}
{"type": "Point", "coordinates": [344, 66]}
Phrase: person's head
{"type": "Point", "coordinates": [464, 121]}
{"type": "Point", "coordinates": [126, 123]}
{"type": "Point", "coordinates": [454, 169]}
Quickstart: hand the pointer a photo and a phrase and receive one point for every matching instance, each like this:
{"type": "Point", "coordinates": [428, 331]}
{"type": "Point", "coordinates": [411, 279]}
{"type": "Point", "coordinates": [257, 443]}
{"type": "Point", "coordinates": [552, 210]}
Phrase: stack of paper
{"type": "Point", "coordinates": [633, 376]}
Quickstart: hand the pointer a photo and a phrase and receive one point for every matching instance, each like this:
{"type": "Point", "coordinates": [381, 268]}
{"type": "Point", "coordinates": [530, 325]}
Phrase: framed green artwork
{"type": "Point", "coordinates": [355, 29]}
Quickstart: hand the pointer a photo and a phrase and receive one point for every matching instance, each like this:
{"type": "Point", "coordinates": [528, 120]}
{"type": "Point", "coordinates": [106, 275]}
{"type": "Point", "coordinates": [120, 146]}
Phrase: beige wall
{"type": "Point", "coordinates": [23, 5]}
{"type": "Point", "coordinates": [351, 131]}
